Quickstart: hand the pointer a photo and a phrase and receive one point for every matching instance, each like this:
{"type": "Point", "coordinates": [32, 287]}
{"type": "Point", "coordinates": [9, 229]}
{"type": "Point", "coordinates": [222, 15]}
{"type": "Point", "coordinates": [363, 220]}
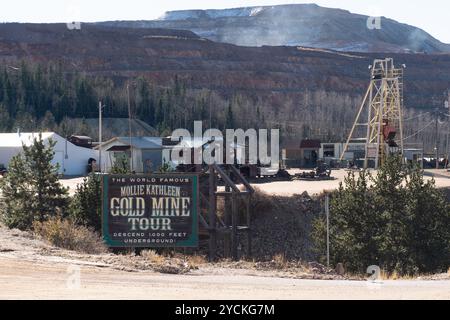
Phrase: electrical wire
{"type": "Point", "coordinates": [417, 116]}
{"type": "Point", "coordinates": [419, 131]}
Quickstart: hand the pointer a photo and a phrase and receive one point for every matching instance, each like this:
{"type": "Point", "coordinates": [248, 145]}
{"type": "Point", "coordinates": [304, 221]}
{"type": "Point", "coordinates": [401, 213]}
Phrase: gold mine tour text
{"type": "Point", "coordinates": [170, 205]}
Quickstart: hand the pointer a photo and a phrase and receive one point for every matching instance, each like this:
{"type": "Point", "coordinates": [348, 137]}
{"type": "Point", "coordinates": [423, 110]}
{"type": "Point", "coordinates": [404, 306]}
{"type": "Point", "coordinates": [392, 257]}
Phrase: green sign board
{"type": "Point", "coordinates": [157, 210]}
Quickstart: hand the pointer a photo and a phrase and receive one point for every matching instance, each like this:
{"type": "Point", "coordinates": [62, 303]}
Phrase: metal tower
{"type": "Point", "coordinates": [383, 103]}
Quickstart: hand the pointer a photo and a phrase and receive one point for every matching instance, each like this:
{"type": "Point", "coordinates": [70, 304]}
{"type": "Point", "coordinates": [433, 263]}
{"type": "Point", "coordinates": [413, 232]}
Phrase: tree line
{"type": "Point", "coordinates": [36, 97]}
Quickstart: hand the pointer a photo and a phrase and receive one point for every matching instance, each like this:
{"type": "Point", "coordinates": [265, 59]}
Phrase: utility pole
{"type": "Point", "coordinates": [100, 107]}
{"type": "Point", "coordinates": [446, 150]}
{"type": "Point", "coordinates": [327, 213]}
{"type": "Point", "coordinates": [129, 127]}
{"type": "Point", "coordinates": [446, 108]}
{"type": "Point", "coordinates": [436, 148]}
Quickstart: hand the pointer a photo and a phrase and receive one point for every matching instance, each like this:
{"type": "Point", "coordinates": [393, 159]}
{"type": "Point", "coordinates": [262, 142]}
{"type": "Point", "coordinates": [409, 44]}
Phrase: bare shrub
{"type": "Point", "coordinates": [65, 234]}
{"type": "Point", "coordinates": [280, 261]}
{"type": "Point", "coordinates": [153, 257]}
{"type": "Point", "coordinates": [194, 261]}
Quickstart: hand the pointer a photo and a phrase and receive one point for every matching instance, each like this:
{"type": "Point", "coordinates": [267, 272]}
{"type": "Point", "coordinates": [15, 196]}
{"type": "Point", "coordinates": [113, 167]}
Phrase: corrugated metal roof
{"type": "Point", "coordinates": [313, 144]}
{"type": "Point", "coordinates": [142, 142]}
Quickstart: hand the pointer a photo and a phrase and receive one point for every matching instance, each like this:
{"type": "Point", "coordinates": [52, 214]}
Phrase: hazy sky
{"type": "Point", "coordinates": [430, 15]}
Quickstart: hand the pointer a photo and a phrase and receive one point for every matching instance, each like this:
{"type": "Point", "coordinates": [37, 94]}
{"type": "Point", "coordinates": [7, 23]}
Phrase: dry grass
{"type": "Point", "coordinates": [172, 263]}
{"type": "Point", "coordinates": [196, 260]}
{"type": "Point", "coordinates": [280, 261]}
{"type": "Point", "coordinates": [384, 275]}
{"type": "Point", "coordinates": [153, 257]}
{"type": "Point", "coordinates": [65, 234]}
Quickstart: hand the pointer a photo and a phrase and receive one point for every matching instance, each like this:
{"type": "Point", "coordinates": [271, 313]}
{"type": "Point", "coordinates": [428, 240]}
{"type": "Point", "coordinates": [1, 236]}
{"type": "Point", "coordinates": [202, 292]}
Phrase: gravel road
{"type": "Point", "coordinates": [58, 280]}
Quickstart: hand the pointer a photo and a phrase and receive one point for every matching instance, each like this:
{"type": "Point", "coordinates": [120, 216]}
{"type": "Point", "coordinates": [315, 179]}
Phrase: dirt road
{"type": "Point", "coordinates": [288, 188]}
{"type": "Point", "coordinates": [31, 280]}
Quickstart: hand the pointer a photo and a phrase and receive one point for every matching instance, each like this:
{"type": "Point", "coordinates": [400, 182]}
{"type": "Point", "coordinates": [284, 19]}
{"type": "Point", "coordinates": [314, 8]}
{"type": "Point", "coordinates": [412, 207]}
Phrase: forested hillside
{"type": "Point", "coordinates": [176, 77]}
{"type": "Point", "coordinates": [36, 97]}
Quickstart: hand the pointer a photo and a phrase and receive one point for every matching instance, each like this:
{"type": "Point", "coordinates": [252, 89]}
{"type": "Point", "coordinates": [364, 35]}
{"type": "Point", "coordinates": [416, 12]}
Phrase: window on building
{"type": "Point", "coordinates": [328, 151]}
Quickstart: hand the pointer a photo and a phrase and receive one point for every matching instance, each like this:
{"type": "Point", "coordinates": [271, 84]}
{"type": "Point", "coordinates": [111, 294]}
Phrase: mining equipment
{"type": "Point", "coordinates": [322, 172]}
{"type": "Point", "coordinates": [379, 121]}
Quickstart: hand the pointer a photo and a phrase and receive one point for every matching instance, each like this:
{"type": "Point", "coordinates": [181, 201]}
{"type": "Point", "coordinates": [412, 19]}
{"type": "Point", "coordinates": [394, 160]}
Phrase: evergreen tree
{"type": "Point", "coordinates": [5, 121]}
{"type": "Point", "coordinates": [48, 122]}
{"type": "Point", "coordinates": [31, 189]}
{"type": "Point", "coordinates": [121, 165]}
{"type": "Point", "coordinates": [146, 107]}
{"type": "Point", "coordinates": [16, 192]}
{"type": "Point", "coordinates": [394, 220]}
{"type": "Point", "coordinates": [229, 122]}
{"type": "Point", "coordinates": [85, 207]}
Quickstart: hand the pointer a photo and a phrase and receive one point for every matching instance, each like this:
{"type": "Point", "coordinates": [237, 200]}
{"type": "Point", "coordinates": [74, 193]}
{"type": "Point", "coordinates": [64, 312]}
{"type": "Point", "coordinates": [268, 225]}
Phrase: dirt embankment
{"type": "Point", "coordinates": [24, 246]}
{"type": "Point", "coordinates": [32, 269]}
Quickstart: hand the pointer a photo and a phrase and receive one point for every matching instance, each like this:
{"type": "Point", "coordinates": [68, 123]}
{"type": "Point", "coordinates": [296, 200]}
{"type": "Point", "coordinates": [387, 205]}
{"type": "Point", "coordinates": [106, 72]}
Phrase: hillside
{"type": "Point", "coordinates": [308, 91]}
{"type": "Point", "coordinates": [296, 25]}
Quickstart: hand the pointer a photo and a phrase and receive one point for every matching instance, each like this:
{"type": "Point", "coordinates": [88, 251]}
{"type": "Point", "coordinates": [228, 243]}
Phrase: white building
{"type": "Point", "coordinates": [334, 151]}
{"type": "Point", "coordinates": [145, 153]}
{"type": "Point", "coordinates": [72, 159]}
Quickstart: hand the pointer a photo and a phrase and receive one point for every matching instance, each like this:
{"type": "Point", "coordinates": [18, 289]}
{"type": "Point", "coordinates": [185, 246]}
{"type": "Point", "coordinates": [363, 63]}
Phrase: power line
{"type": "Point", "coordinates": [417, 116]}
{"type": "Point", "coordinates": [420, 130]}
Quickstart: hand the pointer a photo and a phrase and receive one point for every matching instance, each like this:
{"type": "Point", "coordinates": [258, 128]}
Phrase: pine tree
{"type": "Point", "coordinates": [16, 191]}
{"type": "Point", "coordinates": [85, 207]}
{"type": "Point", "coordinates": [121, 165]}
{"type": "Point", "coordinates": [31, 189]}
{"type": "Point", "coordinates": [394, 220]}
{"type": "Point", "coordinates": [229, 122]}
{"type": "Point", "coordinates": [4, 119]}
{"type": "Point", "coordinates": [146, 106]}
{"type": "Point", "coordinates": [48, 122]}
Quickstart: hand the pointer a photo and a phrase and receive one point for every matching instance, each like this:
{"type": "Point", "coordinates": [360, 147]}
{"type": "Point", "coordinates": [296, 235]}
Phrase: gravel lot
{"type": "Point", "coordinates": [288, 188]}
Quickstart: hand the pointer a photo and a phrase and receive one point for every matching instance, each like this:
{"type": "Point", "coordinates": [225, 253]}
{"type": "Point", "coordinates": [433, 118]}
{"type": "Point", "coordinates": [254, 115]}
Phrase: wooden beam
{"type": "Point", "coordinates": [234, 223]}
{"type": "Point", "coordinates": [212, 214]}
{"type": "Point", "coordinates": [203, 221]}
{"type": "Point", "coordinates": [203, 197]}
{"type": "Point", "coordinates": [242, 178]}
{"type": "Point", "coordinates": [226, 178]}
{"type": "Point", "coordinates": [249, 231]}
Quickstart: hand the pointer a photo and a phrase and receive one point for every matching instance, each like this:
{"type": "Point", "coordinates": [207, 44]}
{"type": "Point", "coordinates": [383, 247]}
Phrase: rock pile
{"type": "Point", "coordinates": [282, 226]}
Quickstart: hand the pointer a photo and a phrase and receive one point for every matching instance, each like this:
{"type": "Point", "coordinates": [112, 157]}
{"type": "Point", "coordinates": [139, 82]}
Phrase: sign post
{"type": "Point", "coordinates": [327, 213]}
{"type": "Point", "coordinates": [158, 210]}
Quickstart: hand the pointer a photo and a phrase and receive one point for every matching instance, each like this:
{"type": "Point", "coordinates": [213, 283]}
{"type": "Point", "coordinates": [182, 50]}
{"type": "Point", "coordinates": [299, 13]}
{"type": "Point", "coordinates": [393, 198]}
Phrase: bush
{"type": "Point", "coordinates": [64, 233]}
{"type": "Point", "coordinates": [85, 207]}
{"type": "Point", "coordinates": [121, 165]}
{"type": "Point", "coordinates": [394, 220]}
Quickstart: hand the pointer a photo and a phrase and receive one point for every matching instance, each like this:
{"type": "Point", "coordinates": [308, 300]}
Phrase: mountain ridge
{"type": "Point", "coordinates": [295, 25]}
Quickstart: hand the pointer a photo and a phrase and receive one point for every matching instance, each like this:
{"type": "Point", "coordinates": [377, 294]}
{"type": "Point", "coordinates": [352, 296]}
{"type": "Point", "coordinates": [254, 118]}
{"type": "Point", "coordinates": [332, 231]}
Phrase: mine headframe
{"type": "Point", "coordinates": [379, 121]}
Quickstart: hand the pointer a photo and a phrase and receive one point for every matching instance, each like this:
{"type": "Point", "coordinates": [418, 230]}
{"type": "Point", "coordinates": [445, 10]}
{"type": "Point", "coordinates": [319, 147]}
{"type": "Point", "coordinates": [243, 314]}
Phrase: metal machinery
{"type": "Point", "coordinates": [322, 172]}
{"type": "Point", "coordinates": [382, 132]}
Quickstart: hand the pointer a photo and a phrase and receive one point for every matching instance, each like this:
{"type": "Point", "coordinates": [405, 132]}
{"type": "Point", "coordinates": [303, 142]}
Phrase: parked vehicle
{"type": "Point", "coordinates": [2, 170]}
